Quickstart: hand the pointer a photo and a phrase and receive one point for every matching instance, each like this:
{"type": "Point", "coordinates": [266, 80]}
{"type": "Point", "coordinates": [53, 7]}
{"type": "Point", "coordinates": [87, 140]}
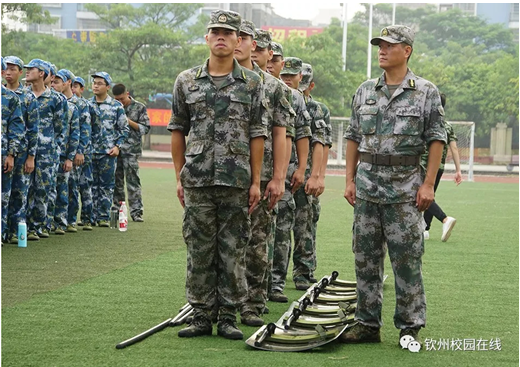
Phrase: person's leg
{"type": "Point", "coordinates": [303, 254]}
{"type": "Point", "coordinates": [52, 196]}
{"type": "Point", "coordinates": [282, 241]}
{"type": "Point", "coordinates": [402, 228]}
{"type": "Point", "coordinates": [119, 188]}
{"type": "Point", "coordinates": [19, 195]}
{"type": "Point", "coordinates": [106, 187]}
{"type": "Point", "coordinates": [434, 210]}
{"type": "Point", "coordinates": [369, 254]}
{"type": "Point", "coordinates": [257, 260]}
{"type": "Point", "coordinates": [133, 185]}
{"type": "Point", "coordinates": [96, 190]}
{"type": "Point", "coordinates": [62, 199]}
{"type": "Point", "coordinates": [72, 211]}
{"type": "Point", "coordinates": [85, 187]}
{"type": "Point", "coordinates": [316, 210]}
{"type": "Point", "coordinates": [43, 176]}
{"type": "Point", "coordinates": [7, 178]}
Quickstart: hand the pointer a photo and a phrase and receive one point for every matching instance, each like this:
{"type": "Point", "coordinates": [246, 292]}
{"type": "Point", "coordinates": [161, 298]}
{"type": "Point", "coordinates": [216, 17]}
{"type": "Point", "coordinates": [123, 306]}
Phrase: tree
{"type": "Point", "coordinates": [141, 39]}
{"type": "Point", "coordinates": [25, 13]}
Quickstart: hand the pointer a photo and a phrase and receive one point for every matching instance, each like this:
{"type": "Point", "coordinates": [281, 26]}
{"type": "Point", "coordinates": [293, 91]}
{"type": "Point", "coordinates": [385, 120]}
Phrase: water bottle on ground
{"type": "Point", "coordinates": [123, 217]}
{"type": "Point", "coordinates": [22, 234]}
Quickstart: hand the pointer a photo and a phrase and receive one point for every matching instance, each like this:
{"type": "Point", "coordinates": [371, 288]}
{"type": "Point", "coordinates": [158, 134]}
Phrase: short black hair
{"type": "Point", "coordinates": [45, 75]}
{"type": "Point", "coordinates": [118, 89]}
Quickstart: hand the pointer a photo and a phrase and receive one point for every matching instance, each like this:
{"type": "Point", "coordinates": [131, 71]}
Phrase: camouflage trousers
{"type": "Point", "coordinates": [270, 250]}
{"type": "Point", "coordinates": [7, 179]}
{"type": "Point", "coordinates": [257, 261]}
{"type": "Point", "coordinates": [282, 240]}
{"type": "Point", "coordinates": [103, 173]}
{"type": "Point", "coordinates": [43, 181]}
{"type": "Point", "coordinates": [401, 227]}
{"type": "Point", "coordinates": [19, 194]}
{"type": "Point", "coordinates": [80, 183]}
{"type": "Point", "coordinates": [128, 170]}
{"type": "Point", "coordinates": [316, 210]}
{"type": "Point", "coordinates": [303, 258]}
{"type": "Point", "coordinates": [216, 228]}
{"type": "Point", "coordinates": [59, 199]}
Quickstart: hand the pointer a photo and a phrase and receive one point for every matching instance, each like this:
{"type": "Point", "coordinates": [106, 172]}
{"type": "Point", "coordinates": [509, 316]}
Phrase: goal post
{"type": "Point", "coordinates": [464, 130]}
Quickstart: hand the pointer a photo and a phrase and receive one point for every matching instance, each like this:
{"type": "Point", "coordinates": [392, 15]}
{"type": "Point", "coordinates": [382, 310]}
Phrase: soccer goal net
{"type": "Point", "coordinates": [464, 130]}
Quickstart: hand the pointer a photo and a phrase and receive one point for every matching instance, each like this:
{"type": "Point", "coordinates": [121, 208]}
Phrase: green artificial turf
{"type": "Point", "coordinates": [68, 300]}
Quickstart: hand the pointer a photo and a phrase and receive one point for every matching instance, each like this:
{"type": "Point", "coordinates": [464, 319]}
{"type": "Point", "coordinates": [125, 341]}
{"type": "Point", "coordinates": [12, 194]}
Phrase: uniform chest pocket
{"type": "Point", "coordinates": [408, 121]}
{"type": "Point", "coordinates": [368, 119]}
{"type": "Point", "coordinates": [197, 104]}
{"type": "Point", "coordinates": [240, 107]}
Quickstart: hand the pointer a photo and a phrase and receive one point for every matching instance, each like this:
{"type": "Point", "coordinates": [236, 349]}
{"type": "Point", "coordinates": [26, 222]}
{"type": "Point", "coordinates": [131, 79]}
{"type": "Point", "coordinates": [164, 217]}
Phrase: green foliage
{"type": "Point", "coordinates": [26, 13]}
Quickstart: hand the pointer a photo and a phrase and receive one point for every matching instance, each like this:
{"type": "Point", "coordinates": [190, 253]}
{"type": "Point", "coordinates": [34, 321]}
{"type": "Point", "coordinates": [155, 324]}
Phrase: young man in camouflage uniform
{"type": "Point", "coordinates": [272, 176]}
{"type": "Point", "coordinates": [24, 161]}
{"type": "Point", "coordinates": [58, 208]}
{"type": "Point", "coordinates": [296, 158]}
{"type": "Point", "coordinates": [131, 150]}
{"type": "Point", "coordinates": [303, 248]}
{"type": "Point", "coordinates": [393, 119]}
{"type": "Point", "coordinates": [219, 106]}
{"type": "Point", "coordinates": [13, 130]}
{"type": "Point", "coordinates": [52, 133]}
{"type": "Point", "coordinates": [83, 142]}
{"type": "Point", "coordinates": [83, 165]}
{"type": "Point", "coordinates": [109, 132]}
{"type": "Point", "coordinates": [306, 87]}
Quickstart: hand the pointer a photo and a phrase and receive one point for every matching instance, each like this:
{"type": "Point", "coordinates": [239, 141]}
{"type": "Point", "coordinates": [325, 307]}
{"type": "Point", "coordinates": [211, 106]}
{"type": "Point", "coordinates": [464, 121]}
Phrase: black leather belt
{"type": "Point", "coordinates": [390, 160]}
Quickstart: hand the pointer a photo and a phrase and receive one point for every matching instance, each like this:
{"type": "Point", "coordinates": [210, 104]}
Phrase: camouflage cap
{"type": "Point", "coordinates": [14, 60]}
{"type": "Point", "coordinates": [307, 76]}
{"type": "Point", "coordinates": [225, 19]}
{"type": "Point", "coordinates": [293, 65]}
{"type": "Point", "coordinates": [104, 75]}
{"type": "Point", "coordinates": [277, 49]}
{"type": "Point", "coordinates": [67, 74]}
{"type": "Point", "coordinates": [79, 80]}
{"type": "Point", "coordinates": [54, 69]}
{"type": "Point", "coordinates": [39, 64]}
{"type": "Point", "coordinates": [395, 34]}
{"type": "Point", "coordinates": [247, 27]}
{"type": "Point", "coordinates": [263, 38]}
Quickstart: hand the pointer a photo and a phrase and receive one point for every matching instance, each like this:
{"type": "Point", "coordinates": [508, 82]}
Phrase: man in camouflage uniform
{"type": "Point", "coordinates": [24, 161]}
{"type": "Point", "coordinates": [52, 133]}
{"type": "Point", "coordinates": [393, 118]}
{"type": "Point", "coordinates": [131, 150]}
{"type": "Point", "coordinates": [58, 208]}
{"type": "Point", "coordinates": [13, 130]}
{"type": "Point", "coordinates": [306, 87]}
{"type": "Point", "coordinates": [109, 132]}
{"type": "Point", "coordinates": [83, 141]}
{"type": "Point", "coordinates": [219, 106]}
{"type": "Point", "coordinates": [435, 210]}
{"type": "Point", "coordinates": [272, 176]}
{"type": "Point", "coordinates": [303, 245]}
{"type": "Point", "coordinates": [83, 164]}
{"type": "Point", "coordinates": [296, 159]}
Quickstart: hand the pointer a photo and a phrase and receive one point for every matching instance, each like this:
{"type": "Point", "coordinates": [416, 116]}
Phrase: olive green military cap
{"type": "Point", "coordinates": [225, 19]}
{"type": "Point", "coordinates": [277, 49]}
{"type": "Point", "coordinates": [263, 38]}
{"type": "Point", "coordinates": [395, 34]}
{"type": "Point", "coordinates": [293, 65]}
{"type": "Point", "coordinates": [247, 27]}
{"type": "Point", "coordinates": [307, 76]}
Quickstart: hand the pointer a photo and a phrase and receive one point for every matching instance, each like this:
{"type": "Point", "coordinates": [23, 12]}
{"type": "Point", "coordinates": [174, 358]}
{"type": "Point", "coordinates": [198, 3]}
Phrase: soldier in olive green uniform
{"type": "Point", "coordinates": [393, 119]}
{"type": "Point", "coordinates": [279, 113]}
{"type": "Point", "coordinates": [306, 87]}
{"type": "Point", "coordinates": [218, 105]}
{"type": "Point", "coordinates": [303, 257]}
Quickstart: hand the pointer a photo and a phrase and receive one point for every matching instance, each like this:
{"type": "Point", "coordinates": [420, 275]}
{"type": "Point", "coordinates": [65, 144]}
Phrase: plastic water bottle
{"type": "Point", "coordinates": [123, 217]}
{"type": "Point", "coordinates": [22, 234]}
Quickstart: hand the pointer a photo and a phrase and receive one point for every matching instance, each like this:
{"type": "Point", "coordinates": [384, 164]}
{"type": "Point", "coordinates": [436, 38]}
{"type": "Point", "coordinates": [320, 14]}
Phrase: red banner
{"type": "Point", "coordinates": [280, 34]}
{"type": "Point", "coordinates": [159, 117]}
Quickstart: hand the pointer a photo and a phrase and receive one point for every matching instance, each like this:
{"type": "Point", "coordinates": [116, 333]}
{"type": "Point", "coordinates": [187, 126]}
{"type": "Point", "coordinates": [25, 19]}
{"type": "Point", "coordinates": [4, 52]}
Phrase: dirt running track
{"type": "Point", "coordinates": [513, 179]}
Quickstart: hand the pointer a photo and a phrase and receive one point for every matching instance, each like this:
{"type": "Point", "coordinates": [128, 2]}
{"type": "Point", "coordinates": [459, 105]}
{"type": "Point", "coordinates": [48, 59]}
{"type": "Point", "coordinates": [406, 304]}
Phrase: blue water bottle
{"type": "Point", "coordinates": [22, 234]}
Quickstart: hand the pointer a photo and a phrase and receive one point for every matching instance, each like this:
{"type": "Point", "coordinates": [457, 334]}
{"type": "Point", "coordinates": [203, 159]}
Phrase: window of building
{"type": "Point", "coordinates": [513, 16]}
{"type": "Point", "coordinates": [51, 5]}
{"type": "Point", "coordinates": [91, 24]}
{"type": "Point", "coordinates": [47, 28]}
